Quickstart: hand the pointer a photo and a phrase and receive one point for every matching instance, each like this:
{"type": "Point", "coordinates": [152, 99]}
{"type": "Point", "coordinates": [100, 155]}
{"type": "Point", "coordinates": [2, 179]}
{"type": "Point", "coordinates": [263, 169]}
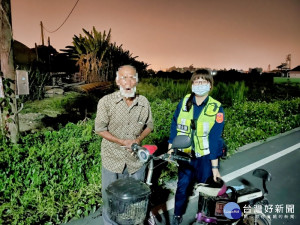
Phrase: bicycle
{"type": "Point", "coordinates": [128, 199]}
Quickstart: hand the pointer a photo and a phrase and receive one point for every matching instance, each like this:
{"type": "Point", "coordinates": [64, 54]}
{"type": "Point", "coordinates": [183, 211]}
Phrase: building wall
{"type": "Point", "coordinates": [294, 74]}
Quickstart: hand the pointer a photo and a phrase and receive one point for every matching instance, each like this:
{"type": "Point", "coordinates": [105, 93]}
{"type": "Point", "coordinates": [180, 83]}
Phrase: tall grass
{"type": "Point", "coordinates": [230, 94]}
{"type": "Point", "coordinates": [163, 88]}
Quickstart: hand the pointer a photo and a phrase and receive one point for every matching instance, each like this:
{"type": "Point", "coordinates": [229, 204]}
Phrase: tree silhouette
{"type": "Point", "coordinates": [98, 58]}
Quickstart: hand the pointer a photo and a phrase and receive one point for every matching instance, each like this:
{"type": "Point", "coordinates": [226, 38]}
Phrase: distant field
{"type": "Point", "coordinates": [279, 80]}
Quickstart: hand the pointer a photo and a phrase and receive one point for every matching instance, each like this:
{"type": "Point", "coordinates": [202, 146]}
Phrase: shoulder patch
{"type": "Point", "coordinates": [219, 118]}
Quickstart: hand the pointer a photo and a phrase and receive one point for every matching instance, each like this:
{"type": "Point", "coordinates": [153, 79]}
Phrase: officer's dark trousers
{"type": "Point", "coordinates": [198, 170]}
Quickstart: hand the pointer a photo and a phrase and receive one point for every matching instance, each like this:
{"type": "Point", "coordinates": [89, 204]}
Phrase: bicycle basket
{"type": "Point", "coordinates": [127, 201]}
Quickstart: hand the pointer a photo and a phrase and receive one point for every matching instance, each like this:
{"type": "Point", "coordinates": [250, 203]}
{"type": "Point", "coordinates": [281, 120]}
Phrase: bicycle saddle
{"type": "Point", "coordinates": [248, 193]}
{"type": "Point", "coordinates": [212, 188]}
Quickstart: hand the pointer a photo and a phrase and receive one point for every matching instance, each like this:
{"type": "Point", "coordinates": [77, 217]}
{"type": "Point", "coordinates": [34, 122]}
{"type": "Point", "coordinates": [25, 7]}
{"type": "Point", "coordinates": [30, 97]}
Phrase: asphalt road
{"type": "Point", "coordinates": [279, 155]}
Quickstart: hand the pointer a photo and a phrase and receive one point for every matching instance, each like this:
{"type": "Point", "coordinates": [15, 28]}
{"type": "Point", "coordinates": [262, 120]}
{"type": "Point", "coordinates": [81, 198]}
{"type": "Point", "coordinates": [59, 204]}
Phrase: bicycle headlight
{"type": "Point", "coordinates": [143, 155]}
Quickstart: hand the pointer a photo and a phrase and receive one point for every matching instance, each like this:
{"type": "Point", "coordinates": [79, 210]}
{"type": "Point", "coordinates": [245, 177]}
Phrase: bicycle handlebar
{"type": "Point", "coordinates": [173, 157]}
{"type": "Point", "coordinates": [144, 154]}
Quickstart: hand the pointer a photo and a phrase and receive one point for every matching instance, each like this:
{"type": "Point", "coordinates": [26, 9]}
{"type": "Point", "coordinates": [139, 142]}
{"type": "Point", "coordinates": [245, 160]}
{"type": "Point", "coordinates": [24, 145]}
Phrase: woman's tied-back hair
{"type": "Point", "coordinates": [205, 75]}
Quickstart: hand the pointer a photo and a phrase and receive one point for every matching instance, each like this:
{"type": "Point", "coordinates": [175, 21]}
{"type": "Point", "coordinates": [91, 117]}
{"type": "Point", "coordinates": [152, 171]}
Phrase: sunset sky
{"type": "Point", "coordinates": [237, 34]}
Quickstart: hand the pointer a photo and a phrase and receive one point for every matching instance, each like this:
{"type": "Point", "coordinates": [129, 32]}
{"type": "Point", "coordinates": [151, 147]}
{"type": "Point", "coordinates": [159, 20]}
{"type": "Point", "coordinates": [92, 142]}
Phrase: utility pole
{"type": "Point", "coordinates": [42, 33]}
{"type": "Point", "coordinates": [289, 61]}
{"type": "Point", "coordinates": [7, 66]}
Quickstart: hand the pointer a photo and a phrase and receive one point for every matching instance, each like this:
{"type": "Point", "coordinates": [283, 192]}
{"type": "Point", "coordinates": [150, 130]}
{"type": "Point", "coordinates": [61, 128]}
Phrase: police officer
{"type": "Point", "coordinates": [200, 117]}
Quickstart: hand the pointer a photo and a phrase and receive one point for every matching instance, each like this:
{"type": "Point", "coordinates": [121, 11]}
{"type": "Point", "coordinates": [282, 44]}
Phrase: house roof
{"type": "Point", "coordinates": [282, 66]}
{"type": "Point", "coordinates": [296, 68]}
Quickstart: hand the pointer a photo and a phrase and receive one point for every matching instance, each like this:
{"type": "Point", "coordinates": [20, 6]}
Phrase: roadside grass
{"type": "Point", "coordinates": [280, 80]}
{"type": "Point", "coordinates": [70, 103]}
{"type": "Point", "coordinates": [51, 177]}
{"type": "Point", "coordinates": [53, 106]}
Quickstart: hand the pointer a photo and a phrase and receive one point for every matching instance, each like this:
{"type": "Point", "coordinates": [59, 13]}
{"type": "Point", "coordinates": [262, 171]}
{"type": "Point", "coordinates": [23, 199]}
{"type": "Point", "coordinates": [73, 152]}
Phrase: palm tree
{"type": "Point", "coordinates": [98, 58]}
{"type": "Point", "coordinates": [89, 53]}
{"type": "Point", "coordinates": [116, 56]}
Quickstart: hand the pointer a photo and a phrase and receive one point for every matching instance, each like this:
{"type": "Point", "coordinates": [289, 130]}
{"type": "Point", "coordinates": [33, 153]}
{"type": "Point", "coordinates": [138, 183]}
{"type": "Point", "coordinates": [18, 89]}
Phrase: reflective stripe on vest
{"type": "Point", "coordinates": [205, 122]}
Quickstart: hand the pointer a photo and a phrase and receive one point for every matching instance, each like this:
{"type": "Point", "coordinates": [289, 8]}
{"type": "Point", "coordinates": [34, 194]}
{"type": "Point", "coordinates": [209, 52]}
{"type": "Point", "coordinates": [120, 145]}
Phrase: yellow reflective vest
{"type": "Point", "coordinates": [203, 125]}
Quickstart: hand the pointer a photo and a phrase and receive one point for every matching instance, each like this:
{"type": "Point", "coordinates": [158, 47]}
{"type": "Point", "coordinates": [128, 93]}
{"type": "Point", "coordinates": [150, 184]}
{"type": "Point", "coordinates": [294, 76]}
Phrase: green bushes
{"type": "Point", "coordinates": [245, 123]}
{"type": "Point", "coordinates": [162, 112]}
{"type": "Point", "coordinates": [51, 177]}
{"type": "Point", "coordinates": [252, 121]}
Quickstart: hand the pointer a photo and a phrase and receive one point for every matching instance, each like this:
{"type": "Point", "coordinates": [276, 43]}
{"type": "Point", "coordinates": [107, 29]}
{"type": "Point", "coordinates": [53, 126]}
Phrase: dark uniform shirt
{"type": "Point", "coordinates": [215, 140]}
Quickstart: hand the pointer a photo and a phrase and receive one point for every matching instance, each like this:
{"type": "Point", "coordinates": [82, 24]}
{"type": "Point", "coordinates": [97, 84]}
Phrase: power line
{"type": "Point", "coordinates": [64, 20]}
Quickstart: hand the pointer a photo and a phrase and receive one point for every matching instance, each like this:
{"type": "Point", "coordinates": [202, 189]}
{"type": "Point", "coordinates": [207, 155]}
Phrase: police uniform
{"type": "Point", "coordinates": [204, 124]}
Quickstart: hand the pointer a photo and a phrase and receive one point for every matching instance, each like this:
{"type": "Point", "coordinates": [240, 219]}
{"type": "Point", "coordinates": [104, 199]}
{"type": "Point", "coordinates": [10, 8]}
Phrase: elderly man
{"type": "Point", "coordinates": [123, 118]}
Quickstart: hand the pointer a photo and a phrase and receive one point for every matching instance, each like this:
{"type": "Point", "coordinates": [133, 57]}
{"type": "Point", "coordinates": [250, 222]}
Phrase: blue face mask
{"type": "Point", "coordinates": [201, 90]}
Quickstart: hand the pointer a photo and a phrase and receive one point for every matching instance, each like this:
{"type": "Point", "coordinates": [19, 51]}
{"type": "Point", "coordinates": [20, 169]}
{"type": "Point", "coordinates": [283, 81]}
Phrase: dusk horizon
{"type": "Point", "coordinates": [217, 35]}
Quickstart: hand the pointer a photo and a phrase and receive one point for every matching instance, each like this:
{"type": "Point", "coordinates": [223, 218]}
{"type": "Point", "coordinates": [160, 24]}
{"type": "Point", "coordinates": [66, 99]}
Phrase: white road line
{"type": "Point", "coordinates": [242, 171]}
{"type": "Point", "coordinates": [246, 169]}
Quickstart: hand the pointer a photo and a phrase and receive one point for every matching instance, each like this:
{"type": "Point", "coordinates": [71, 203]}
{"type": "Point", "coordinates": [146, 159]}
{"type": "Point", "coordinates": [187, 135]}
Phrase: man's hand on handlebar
{"type": "Point", "coordinates": [128, 143]}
